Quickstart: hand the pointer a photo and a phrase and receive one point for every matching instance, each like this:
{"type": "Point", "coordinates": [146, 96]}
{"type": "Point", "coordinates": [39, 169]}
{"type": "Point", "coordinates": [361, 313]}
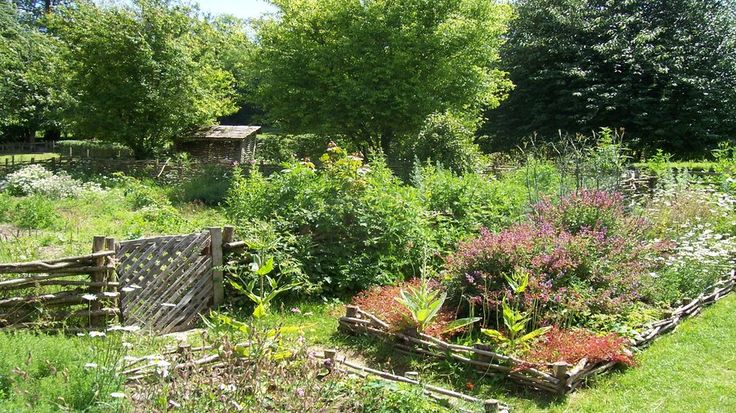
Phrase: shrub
{"type": "Point", "coordinates": [577, 266]}
{"type": "Point", "coordinates": [209, 185]}
{"type": "Point", "coordinates": [445, 139]}
{"type": "Point", "coordinates": [459, 205]}
{"type": "Point", "coordinates": [35, 212]}
{"type": "Point", "coordinates": [36, 180]}
{"type": "Point", "coordinates": [352, 225]}
{"type": "Point", "coordinates": [598, 211]}
{"type": "Point", "coordinates": [6, 207]}
{"type": "Point", "coordinates": [141, 193]}
{"type": "Point", "coordinates": [93, 149]}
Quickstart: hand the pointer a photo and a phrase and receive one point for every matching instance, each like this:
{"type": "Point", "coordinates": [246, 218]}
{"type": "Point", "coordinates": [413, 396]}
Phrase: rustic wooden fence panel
{"type": "Point", "coordinates": [65, 293]}
{"type": "Point", "coordinates": [166, 282]}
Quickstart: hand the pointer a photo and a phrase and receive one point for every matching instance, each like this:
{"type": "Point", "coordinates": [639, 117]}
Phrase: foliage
{"type": "Point", "coordinates": [374, 71]}
{"type": "Point", "coordinates": [445, 139]}
{"type": "Point", "coordinates": [37, 180]}
{"type": "Point", "coordinates": [40, 373]}
{"type": "Point", "coordinates": [128, 62]}
{"type": "Point", "coordinates": [423, 303]}
{"type": "Point", "coordinates": [208, 185]}
{"type": "Point", "coordinates": [34, 212]}
{"type": "Point", "coordinates": [578, 264]}
{"type": "Point", "coordinates": [32, 92]}
{"type": "Point", "coordinates": [459, 205]}
{"type": "Point", "coordinates": [268, 287]}
{"type": "Point", "coordinates": [349, 225]}
{"type": "Point", "coordinates": [93, 149]}
{"type": "Point", "coordinates": [664, 71]}
{"type": "Point", "coordinates": [515, 321]}
{"type": "Point", "coordinates": [280, 148]}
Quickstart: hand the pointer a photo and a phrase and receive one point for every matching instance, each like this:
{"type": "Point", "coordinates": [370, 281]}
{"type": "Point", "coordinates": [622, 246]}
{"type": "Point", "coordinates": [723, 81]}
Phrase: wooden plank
{"type": "Point", "coordinates": [218, 282]}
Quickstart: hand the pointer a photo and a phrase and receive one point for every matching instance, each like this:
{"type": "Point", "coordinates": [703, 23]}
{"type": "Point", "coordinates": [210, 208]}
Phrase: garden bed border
{"type": "Point", "coordinates": [564, 378]}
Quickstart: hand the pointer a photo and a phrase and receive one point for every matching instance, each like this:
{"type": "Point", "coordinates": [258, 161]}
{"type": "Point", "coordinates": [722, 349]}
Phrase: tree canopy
{"type": "Point", "coordinates": [664, 70]}
{"type": "Point", "coordinates": [142, 74]}
{"type": "Point", "coordinates": [30, 91]}
{"type": "Point", "coordinates": [375, 70]}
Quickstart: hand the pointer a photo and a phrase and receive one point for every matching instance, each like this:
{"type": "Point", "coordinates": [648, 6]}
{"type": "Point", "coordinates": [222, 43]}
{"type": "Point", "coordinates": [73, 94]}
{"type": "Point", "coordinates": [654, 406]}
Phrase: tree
{"type": "Point", "coordinates": [664, 70]}
{"type": "Point", "coordinates": [142, 74]}
{"type": "Point", "coordinates": [31, 91]}
{"type": "Point", "coordinates": [374, 70]}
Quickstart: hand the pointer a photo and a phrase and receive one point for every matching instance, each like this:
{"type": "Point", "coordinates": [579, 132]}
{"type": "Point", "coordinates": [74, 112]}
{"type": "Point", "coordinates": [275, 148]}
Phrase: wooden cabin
{"type": "Point", "coordinates": [222, 144]}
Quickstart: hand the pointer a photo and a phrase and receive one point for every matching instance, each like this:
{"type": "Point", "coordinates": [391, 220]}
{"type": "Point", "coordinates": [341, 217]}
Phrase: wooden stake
{"type": "Point", "coordinates": [98, 245]}
{"type": "Point", "coordinates": [218, 282]}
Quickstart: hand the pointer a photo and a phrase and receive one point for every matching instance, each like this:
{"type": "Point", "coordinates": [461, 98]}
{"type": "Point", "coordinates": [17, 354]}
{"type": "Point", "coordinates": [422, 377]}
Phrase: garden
{"type": "Point", "coordinates": [447, 205]}
{"type": "Point", "coordinates": [518, 287]}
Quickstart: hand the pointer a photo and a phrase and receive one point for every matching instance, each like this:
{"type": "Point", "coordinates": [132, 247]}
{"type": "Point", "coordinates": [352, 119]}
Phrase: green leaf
{"type": "Point", "coordinates": [260, 311]}
{"type": "Point", "coordinates": [265, 268]}
{"type": "Point", "coordinates": [534, 334]}
{"type": "Point", "coordinates": [494, 334]}
{"type": "Point", "coordinates": [460, 323]}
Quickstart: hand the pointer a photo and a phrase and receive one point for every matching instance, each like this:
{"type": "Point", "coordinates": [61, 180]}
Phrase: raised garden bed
{"type": "Point", "coordinates": [558, 378]}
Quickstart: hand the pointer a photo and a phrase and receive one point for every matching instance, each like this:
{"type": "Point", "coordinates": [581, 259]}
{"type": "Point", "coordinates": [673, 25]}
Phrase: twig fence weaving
{"type": "Point", "coordinates": [558, 378]}
{"type": "Point", "coordinates": [80, 291]}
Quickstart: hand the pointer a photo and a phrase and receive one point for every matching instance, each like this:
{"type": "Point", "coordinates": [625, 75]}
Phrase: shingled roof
{"type": "Point", "coordinates": [223, 132]}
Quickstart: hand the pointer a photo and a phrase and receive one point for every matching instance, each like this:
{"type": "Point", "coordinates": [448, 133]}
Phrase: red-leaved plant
{"type": "Point", "coordinates": [573, 345]}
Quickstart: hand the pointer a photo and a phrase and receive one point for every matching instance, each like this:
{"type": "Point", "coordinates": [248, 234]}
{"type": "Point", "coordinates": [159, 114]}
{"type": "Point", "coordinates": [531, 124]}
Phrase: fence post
{"type": "Point", "coordinates": [217, 276]}
{"type": "Point", "coordinates": [98, 244]}
{"type": "Point", "coordinates": [228, 234]}
{"type": "Point", "coordinates": [112, 275]}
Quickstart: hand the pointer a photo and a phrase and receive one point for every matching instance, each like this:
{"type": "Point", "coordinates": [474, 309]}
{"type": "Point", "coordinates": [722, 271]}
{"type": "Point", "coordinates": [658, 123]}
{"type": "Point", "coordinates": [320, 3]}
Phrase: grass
{"type": "Point", "coordinates": [26, 157]}
{"type": "Point", "coordinates": [692, 370]}
{"type": "Point", "coordinates": [701, 355]}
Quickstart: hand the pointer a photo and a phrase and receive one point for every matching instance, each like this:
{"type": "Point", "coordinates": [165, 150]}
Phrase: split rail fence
{"type": "Point", "coordinates": [558, 378]}
{"type": "Point", "coordinates": [161, 284]}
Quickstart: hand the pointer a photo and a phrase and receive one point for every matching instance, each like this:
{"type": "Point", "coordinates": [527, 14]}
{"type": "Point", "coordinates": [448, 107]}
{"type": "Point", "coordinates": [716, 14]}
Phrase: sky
{"type": "Point", "coordinates": [239, 8]}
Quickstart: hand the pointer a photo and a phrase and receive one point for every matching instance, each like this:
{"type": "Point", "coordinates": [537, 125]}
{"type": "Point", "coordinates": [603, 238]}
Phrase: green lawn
{"type": "Point", "coordinates": [690, 370]}
{"type": "Point", "coordinates": [26, 157]}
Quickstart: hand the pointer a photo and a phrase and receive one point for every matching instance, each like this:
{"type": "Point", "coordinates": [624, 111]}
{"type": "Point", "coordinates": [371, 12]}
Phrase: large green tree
{"type": "Point", "coordinates": [664, 70]}
{"type": "Point", "coordinates": [31, 88]}
{"type": "Point", "coordinates": [142, 74]}
{"type": "Point", "coordinates": [374, 70]}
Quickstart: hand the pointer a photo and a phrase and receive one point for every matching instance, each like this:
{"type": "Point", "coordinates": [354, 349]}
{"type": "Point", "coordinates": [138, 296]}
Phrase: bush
{"type": "Point", "coordinates": [577, 267]}
{"type": "Point", "coordinates": [209, 186]}
{"type": "Point", "coordinates": [445, 139]}
{"type": "Point", "coordinates": [459, 205]}
{"type": "Point", "coordinates": [349, 225]}
{"type": "Point", "coordinates": [280, 149]}
{"type": "Point", "coordinates": [35, 212]}
{"type": "Point", "coordinates": [93, 149]}
{"type": "Point", "coordinates": [36, 180]}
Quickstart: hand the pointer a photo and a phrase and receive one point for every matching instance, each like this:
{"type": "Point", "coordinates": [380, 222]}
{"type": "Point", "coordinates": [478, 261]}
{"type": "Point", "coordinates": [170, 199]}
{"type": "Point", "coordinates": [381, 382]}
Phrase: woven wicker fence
{"type": "Point", "coordinates": [558, 378]}
{"type": "Point", "coordinates": [80, 291]}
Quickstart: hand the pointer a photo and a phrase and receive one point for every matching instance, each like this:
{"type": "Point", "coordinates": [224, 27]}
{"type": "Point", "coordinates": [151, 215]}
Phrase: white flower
{"type": "Point", "coordinates": [90, 366]}
{"type": "Point", "coordinates": [117, 395]}
{"type": "Point", "coordinates": [128, 289]}
{"type": "Point", "coordinates": [97, 334]}
{"type": "Point", "coordinates": [89, 297]}
{"type": "Point", "coordinates": [111, 293]}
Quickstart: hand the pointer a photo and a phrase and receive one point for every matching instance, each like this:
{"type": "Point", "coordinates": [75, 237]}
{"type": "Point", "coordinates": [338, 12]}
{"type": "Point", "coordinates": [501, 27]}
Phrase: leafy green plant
{"type": "Point", "coordinates": [35, 212]}
{"type": "Point", "coordinates": [515, 321]}
{"type": "Point", "coordinates": [268, 288]}
{"type": "Point", "coordinates": [424, 303]}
